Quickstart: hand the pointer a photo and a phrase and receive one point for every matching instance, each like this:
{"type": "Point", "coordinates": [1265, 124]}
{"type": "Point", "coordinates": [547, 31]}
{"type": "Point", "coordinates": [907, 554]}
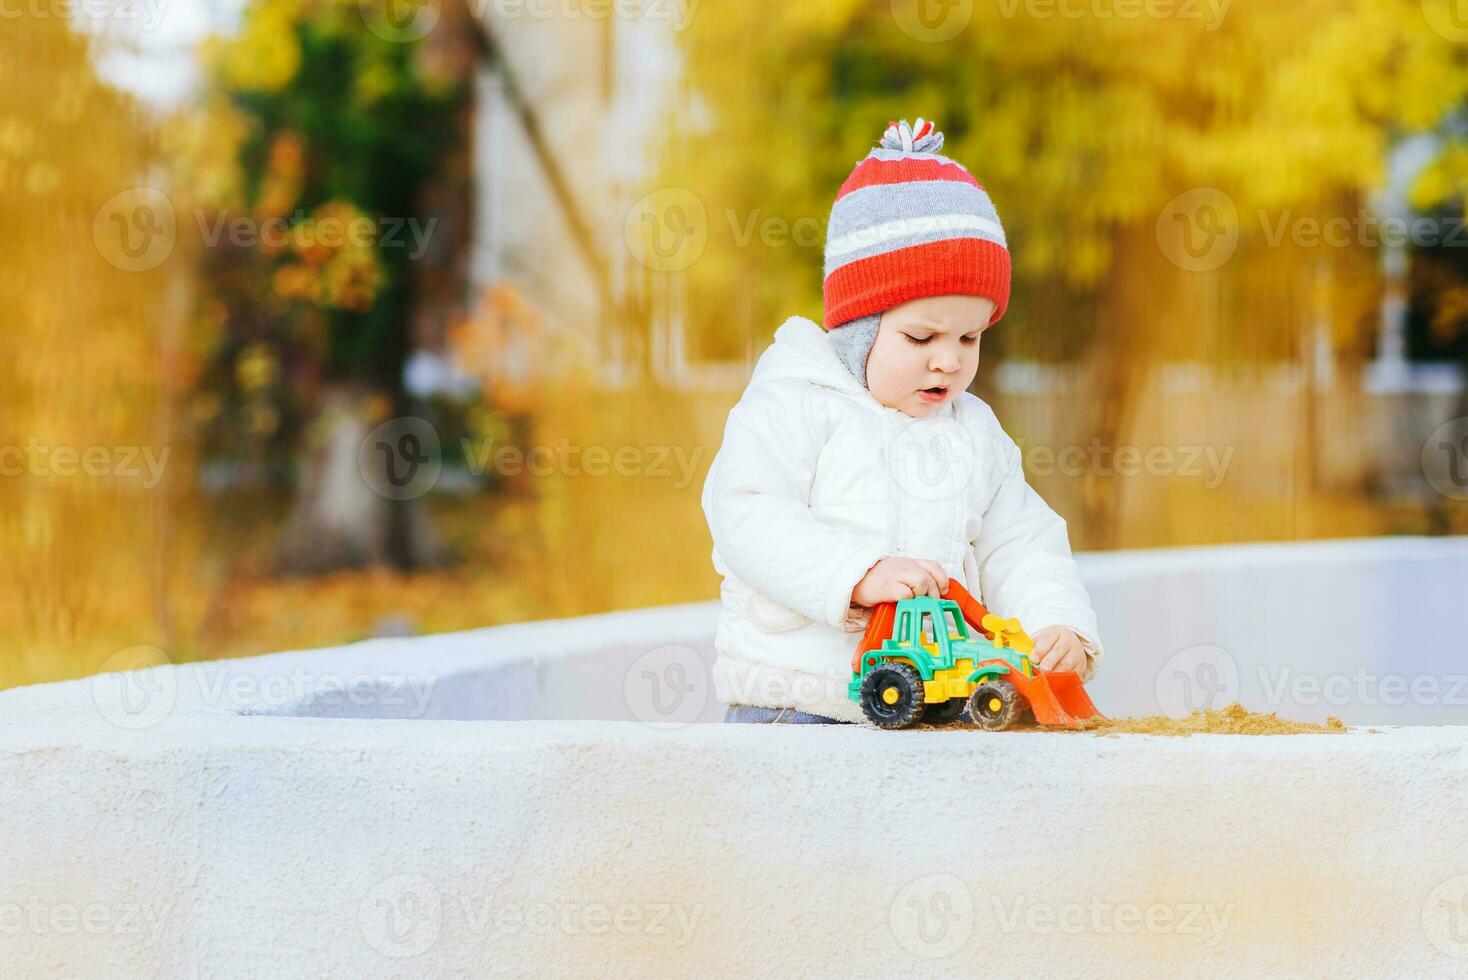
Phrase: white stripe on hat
{"type": "Point", "coordinates": [904, 227]}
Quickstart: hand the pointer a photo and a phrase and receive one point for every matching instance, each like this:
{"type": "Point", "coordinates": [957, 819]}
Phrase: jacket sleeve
{"type": "Point", "coordinates": [1026, 569]}
{"type": "Point", "coordinates": [756, 500]}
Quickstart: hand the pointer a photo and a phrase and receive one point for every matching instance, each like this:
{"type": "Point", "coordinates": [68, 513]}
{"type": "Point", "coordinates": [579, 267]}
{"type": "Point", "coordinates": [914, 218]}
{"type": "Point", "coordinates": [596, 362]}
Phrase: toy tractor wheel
{"type": "Point", "coordinates": [995, 704]}
{"type": "Point", "coordinates": [892, 696]}
{"type": "Point", "coordinates": [944, 712]}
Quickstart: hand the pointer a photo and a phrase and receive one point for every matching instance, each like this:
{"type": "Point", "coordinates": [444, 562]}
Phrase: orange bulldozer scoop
{"type": "Point", "coordinates": [1056, 697]}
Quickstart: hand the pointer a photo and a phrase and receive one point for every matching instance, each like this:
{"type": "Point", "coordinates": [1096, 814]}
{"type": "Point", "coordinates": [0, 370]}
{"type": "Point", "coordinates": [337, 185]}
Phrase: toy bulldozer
{"type": "Point", "coordinates": [926, 659]}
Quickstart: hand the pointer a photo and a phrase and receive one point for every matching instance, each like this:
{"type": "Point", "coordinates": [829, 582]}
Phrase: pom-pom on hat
{"type": "Point", "coordinates": [910, 223]}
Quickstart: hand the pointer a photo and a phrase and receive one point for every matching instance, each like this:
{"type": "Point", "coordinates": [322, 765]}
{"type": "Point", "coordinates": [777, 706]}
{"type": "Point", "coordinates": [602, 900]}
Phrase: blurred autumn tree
{"type": "Point", "coordinates": [98, 547]}
{"type": "Point", "coordinates": [342, 143]}
{"type": "Point", "coordinates": [1084, 129]}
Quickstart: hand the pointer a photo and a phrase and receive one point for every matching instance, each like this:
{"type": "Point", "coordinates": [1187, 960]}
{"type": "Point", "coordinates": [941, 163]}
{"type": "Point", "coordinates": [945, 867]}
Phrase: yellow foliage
{"type": "Point", "coordinates": [265, 55]}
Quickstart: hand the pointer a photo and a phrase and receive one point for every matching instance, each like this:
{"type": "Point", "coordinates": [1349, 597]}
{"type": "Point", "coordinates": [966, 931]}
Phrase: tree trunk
{"type": "Point", "coordinates": [344, 515]}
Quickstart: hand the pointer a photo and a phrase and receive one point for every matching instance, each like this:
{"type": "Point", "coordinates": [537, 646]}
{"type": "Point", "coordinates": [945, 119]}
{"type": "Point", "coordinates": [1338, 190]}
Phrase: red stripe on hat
{"type": "Point", "coordinates": [952, 267]}
{"type": "Point", "coordinates": [872, 171]}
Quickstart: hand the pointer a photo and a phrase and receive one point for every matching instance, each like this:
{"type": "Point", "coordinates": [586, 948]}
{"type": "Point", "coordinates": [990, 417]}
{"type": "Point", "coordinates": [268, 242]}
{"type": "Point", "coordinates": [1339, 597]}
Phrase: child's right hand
{"type": "Point", "coordinates": [895, 579]}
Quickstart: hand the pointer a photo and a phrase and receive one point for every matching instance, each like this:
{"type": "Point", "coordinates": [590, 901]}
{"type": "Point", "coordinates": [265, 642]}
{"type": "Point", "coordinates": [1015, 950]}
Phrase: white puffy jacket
{"type": "Point", "coordinates": [816, 481]}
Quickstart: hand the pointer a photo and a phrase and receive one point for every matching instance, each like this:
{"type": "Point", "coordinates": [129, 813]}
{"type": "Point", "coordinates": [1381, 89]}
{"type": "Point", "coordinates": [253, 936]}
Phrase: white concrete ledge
{"type": "Point", "coordinates": [250, 818]}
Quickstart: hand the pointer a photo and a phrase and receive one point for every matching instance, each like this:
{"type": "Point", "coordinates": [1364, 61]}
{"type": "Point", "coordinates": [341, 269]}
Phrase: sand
{"type": "Point", "coordinates": [1232, 720]}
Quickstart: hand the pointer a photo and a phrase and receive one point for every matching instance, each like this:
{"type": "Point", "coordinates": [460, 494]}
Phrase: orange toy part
{"type": "Point", "coordinates": [973, 610]}
{"type": "Point", "coordinates": [879, 627]}
{"type": "Point", "coordinates": [1055, 696]}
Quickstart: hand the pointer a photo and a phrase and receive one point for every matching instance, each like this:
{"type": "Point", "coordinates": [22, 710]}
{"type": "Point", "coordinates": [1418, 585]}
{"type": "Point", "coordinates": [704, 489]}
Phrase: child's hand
{"type": "Point", "coordinates": [895, 579]}
{"type": "Point", "coordinates": [1058, 648]}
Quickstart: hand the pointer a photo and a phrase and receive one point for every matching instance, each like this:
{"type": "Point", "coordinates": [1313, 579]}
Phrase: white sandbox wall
{"type": "Point", "coordinates": [540, 799]}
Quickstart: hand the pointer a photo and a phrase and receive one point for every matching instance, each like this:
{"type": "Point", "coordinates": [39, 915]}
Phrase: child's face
{"type": "Point", "coordinates": [924, 344]}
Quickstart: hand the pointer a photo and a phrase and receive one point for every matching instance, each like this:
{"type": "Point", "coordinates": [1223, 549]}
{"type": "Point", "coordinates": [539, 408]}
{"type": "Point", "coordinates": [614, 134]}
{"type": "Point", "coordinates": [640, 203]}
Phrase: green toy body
{"type": "Point", "coordinates": [950, 658]}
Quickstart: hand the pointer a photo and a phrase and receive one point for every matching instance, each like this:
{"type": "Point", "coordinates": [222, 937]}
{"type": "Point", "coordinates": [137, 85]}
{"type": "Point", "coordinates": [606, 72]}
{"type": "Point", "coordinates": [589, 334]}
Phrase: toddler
{"type": "Point", "coordinates": [857, 468]}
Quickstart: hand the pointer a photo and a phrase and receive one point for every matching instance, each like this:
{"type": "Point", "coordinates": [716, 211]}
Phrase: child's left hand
{"type": "Point", "coordinates": [1058, 648]}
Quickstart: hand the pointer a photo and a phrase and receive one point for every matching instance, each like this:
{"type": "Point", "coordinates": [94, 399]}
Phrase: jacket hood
{"type": "Point", "coordinates": [802, 350]}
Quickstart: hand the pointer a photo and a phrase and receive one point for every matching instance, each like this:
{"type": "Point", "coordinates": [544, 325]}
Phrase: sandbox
{"type": "Point", "coordinates": [550, 798]}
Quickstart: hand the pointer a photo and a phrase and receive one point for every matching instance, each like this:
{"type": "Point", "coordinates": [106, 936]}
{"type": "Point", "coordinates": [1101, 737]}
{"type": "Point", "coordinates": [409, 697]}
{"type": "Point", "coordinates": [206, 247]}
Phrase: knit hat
{"type": "Point", "coordinates": [907, 224]}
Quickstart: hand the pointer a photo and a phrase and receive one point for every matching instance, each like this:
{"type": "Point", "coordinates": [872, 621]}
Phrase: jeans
{"type": "Point", "coordinates": [749, 714]}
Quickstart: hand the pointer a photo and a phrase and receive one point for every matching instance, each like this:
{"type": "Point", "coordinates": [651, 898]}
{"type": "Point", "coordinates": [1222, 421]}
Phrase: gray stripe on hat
{"type": "Point", "coordinates": [873, 205]}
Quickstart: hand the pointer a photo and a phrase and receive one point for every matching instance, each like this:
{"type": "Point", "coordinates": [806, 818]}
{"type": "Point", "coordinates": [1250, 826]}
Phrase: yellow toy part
{"type": "Point", "coordinates": [1008, 633]}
